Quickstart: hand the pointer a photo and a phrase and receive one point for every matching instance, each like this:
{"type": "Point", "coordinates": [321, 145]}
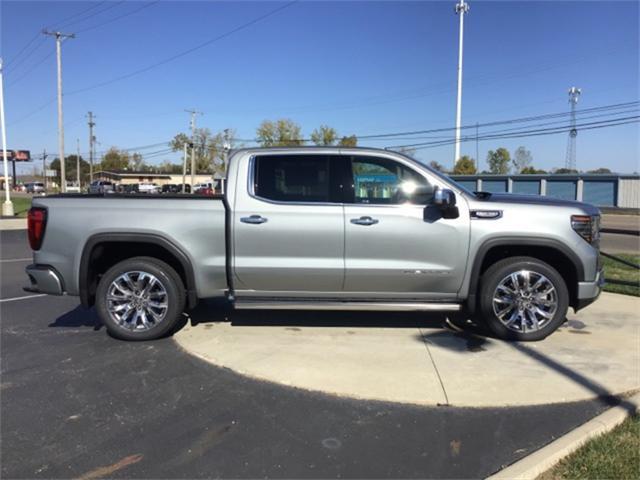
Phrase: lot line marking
{"type": "Point", "coordinates": [3, 300]}
{"type": "Point", "coordinates": [16, 260]}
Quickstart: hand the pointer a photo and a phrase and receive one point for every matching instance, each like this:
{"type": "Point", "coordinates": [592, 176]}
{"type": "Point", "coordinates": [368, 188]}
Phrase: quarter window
{"type": "Point", "coordinates": [293, 178]}
{"type": "Point", "coordinates": [380, 181]}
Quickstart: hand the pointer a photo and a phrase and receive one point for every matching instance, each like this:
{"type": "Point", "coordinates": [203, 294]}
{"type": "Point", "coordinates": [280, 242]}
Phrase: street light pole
{"type": "Point", "coordinates": [461, 8]}
{"type": "Point", "coordinates": [7, 206]}
{"type": "Point", "coordinates": [59, 36]}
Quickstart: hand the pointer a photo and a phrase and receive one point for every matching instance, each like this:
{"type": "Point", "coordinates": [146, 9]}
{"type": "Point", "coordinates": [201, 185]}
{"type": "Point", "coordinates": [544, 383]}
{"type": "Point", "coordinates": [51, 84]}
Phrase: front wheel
{"type": "Point", "coordinates": [523, 298]}
{"type": "Point", "coordinates": [140, 298]}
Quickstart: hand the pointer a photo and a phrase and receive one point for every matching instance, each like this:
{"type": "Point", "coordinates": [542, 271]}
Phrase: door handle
{"type": "Point", "coordinates": [364, 221]}
{"type": "Point", "coordinates": [253, 219]}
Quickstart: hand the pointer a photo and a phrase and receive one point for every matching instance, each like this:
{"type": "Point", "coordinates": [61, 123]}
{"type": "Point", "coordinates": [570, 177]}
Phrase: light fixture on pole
{"type": "Point", "coordinates": [7, 206]}
{"type": "Point", "coordinates": [461, 8]}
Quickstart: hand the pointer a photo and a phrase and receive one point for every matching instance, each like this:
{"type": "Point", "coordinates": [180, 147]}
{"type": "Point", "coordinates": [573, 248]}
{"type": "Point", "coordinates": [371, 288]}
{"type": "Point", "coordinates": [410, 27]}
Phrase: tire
{"type": "Point", "coordinates": [535, 312]}
{"type": "Point", "coordinates": [149, 315]}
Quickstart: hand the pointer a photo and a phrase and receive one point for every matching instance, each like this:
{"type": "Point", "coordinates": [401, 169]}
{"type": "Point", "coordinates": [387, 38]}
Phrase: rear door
{"type": "Point", "coordinates": [396, 242]}
{"type": "Point", "coordinates": [288, 226]}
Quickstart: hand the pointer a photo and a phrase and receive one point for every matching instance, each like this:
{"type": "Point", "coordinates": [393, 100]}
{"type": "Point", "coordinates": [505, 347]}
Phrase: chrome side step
{"type": "Point", "coordinates": [373, 306]}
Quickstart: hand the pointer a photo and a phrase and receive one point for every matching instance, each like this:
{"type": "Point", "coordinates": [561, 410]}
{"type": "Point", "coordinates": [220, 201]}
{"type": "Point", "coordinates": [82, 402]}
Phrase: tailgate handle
{"type": "Point", "coordinates": [253, 219]}
{"type": "Point", "coordinates": [364, 221]}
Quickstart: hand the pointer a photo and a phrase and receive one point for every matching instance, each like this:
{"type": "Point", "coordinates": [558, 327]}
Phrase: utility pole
{"type": "Point", "coordinates": [461, 8]}
{"type": "Point", "coordinates": [44, 168]}
{"type": "Point", "coordinates": [7, 206]}
{"type": "Point", "coordinates": [225, 159]}
{"type": "Point", "coordinates": [184, 168]}
{"type": "Point", "coordinates": [92, 139]}
{"type": "Point", "coordinates": [78, 162]}
{"type": "Point", "coordinates": [477, 149]}
{"type": "Point", "coordinates": [192, 124]}
{"type": "Point", "coordinates": [59, 36]}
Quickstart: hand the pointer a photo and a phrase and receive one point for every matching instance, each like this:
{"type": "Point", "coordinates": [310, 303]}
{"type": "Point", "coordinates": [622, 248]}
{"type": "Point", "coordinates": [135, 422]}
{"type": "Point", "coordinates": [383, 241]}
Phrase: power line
{"type": "Point", "coordinates": [147, 5]}
{"type": "Point", "coordinates": [186, 52]}
{"type": "Point", "coordinates": [93, 14]}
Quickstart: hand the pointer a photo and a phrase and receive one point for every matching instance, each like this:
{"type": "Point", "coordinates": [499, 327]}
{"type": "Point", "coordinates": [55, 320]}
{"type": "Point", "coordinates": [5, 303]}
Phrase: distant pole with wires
{"type": "Point", "coordinates": [192, 124]}
{"type": "Point", "coordinates": [59, 36]}
{"type": "Point", "coordinates": [92, 139]}
{"type": "Point", "coordinates": [78, 161]}
{"type": "Point", "coordinates": [184, 167]}
{"type": "Point", "coordinates": [570, 160]}
{"type": "Point", "coordinates": [44, 169]}
{"type": "Point", "coordinates": [461, 8]}
{"type": "Point", "coordinates": [7, 206]}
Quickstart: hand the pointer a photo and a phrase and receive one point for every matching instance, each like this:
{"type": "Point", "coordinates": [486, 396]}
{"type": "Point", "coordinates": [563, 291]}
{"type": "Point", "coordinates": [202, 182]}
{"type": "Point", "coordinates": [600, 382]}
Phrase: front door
{"type": "Point", "coordinates": [288, 226]}
{"type": "Point", "coordinates": [393, 246]}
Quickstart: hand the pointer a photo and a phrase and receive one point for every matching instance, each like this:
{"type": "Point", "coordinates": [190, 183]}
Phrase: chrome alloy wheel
{"type": "Point", "coordinates": [525, 301]}
{"type": "Point", "coordinates": [137, 301]}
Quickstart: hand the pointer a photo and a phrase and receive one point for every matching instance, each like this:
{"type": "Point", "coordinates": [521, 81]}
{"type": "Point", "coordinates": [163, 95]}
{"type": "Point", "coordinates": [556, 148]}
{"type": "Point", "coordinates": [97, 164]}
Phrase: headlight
{"type": "Point", "coordinates": [588, 227]}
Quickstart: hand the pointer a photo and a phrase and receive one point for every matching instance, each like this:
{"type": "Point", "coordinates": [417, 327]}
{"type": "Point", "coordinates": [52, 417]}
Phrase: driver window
{"type": "Point", "coordinates": [380, 181]}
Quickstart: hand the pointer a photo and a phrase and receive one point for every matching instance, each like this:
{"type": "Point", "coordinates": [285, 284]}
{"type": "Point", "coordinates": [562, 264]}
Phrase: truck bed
{"type": "Point", "coordinates": [193, 224]}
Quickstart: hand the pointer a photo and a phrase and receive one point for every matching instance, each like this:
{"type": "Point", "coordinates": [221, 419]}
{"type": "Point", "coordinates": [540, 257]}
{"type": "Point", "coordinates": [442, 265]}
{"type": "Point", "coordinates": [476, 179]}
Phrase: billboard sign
{"type": "Point", "coordinates": [18, 155]}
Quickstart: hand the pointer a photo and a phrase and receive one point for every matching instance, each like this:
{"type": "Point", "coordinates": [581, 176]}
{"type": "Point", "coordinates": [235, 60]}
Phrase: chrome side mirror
{"type": "Point", "coordinates": [444, 198]}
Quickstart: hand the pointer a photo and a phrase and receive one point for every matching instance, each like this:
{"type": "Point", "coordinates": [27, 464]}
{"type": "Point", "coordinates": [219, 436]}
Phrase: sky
{"type": "Point", "coordinates": [361, 67]}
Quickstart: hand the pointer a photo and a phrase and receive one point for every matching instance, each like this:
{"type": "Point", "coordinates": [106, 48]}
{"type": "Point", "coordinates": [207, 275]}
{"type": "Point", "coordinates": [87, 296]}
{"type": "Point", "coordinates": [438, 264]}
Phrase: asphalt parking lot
{"type": "Point", "coordinates": [77, 403]}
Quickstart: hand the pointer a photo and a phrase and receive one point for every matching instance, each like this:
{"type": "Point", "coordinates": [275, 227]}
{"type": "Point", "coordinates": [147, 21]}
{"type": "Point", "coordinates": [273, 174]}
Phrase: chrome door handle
{"type": "Point", "coordinates": [253, 219]}
{"type": "Point", "coordinates": [364, 221]}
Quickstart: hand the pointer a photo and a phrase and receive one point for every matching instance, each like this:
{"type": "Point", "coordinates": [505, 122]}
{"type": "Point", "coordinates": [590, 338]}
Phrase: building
{"type": "Point", "coordinates": [125, 177]}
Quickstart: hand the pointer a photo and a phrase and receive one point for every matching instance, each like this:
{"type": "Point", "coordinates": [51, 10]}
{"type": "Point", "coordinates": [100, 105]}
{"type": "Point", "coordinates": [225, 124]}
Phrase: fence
{"type": "Point", "coordinates": [601, 190]}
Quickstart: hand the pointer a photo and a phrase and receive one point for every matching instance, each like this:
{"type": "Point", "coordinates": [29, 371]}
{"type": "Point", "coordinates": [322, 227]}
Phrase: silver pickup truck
{"type": "Point", "coordinates": [324, 229]}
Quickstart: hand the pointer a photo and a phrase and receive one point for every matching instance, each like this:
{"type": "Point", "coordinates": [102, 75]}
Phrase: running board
{"type": "Point", "coordinates": [374, 306]}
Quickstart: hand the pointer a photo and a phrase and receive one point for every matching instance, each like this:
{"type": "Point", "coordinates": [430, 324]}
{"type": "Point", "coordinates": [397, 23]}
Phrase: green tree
{"type": "Point", "coordinates": [464, 166]}
{"type": "Point", "coordinates": [136, 163]}
{"type": "Point", "coordinates": [350, 141]}
{"type": "Point", "coordinates": [114, 160]}
{"type": "Point", "coordinates": [532, 171]}
{"type": "Point", "coordinates": [71, 169]}
{"type": "Point", "coordinates": [437, 166]}
{"type": "Point", "coordinates": [499, 161]}
{"type": "Point", "coordinates": [209, 149]}
{"type": "Point", "coordinates": [522, 159]}
{"type": "Point", "coordinates": [561, 171]}
{"type": "Point", "coordinates": [279, 133]}
{"type": "Point", "coordinates": [601, 170]}
{"type": "Point", "coordinates": [324, 135]}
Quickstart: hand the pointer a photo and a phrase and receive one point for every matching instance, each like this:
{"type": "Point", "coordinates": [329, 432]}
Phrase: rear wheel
{"type": "Point", "coordinates": [140, 298]}
{"type": "Point", "coordinates": [523, 298]}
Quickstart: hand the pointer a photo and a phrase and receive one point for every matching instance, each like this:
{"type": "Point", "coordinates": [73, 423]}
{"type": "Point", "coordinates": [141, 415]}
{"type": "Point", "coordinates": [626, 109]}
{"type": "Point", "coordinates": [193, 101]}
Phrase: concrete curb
{"type": "Point", "coordinates": [13, 224]}
{"type": "Point", "coordinates": [542, 460]}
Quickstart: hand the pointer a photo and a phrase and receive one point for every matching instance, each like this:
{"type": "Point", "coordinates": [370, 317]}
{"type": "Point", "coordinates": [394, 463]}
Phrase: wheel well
{"type": "Point", "coordinates": [104, 255]}
{"type": "Point", "coordinates": [555, 258]}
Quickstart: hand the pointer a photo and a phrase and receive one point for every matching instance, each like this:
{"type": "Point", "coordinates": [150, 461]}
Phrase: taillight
{"type": "Point", "coordinates": [588, 227]}
{"type": "Point", "coordinates": [36, 223]}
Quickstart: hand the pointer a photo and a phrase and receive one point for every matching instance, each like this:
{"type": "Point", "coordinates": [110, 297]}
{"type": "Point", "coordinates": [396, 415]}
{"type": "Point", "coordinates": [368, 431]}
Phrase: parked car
{"type": "Point", "coordinates": [34, 187]}
{"type": "Point", "coordinates": [313, 228]}
{"type": "Point", "coordinates": [73, 187]}
{"type": "Point", "coordinates": [148, 188]}
{"type": "Point", "coordinates": [101, 186]}
{"type": "Point", "coordinates": [199, 186]}
{"type": "Point", "coordinates": [175, 188]}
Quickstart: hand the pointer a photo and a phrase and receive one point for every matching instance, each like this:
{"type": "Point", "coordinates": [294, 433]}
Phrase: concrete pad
{"type": "Point", "coordinates": [13, 224]}
{"type": "Point", "coordinates": [597, 352]}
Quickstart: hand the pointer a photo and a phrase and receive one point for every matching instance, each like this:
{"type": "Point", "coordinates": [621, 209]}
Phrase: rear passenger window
{"type": "Point", "coordinates": [292, 178]}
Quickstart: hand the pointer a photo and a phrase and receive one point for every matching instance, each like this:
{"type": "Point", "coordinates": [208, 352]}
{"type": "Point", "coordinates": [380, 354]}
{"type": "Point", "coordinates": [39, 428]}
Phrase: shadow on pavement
{"type": "Point", "coordinates": [78, 317]}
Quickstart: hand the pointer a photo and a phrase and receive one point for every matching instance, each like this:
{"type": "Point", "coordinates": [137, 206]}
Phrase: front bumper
{"type": "Point", "coordinates": [588, 292]}
{"type": "Point", "coordinates": [44, 279]}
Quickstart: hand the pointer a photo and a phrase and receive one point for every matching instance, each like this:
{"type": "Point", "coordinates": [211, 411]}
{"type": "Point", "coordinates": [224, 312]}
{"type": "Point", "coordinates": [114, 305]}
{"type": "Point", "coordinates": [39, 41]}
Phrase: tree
{"type": "Point", "coordinates": [464, 166]}
{"type": "Point", "coordinates": [408, 151]}
{"type": "Point", "coordinates": [281, 133]}
{"type": "Point", "coordinates": [136, 163]}
{"type": "Point", "coordinates": [522, 159]}
{"type": "Point", "coordinates": [114, 160]}
{"type": "Point", "coordinates": [71, 169]}
{"type": "Point", "coordinates": [437, 166]}
{"type": "Point", "coordinates": [209, 149]}
{"type": "Point", "coordinates": [532, 171]}
{"type": "Point", "coordinates": [601, 170]}
{"type": "Point", "coordinates": [324, 135]}
{"type": "Point", "coordinates": [561, 171]}
{"type": "Point", "coordinates": [350, 141]}
{"type": "Point", "coordinates": [499, 161]}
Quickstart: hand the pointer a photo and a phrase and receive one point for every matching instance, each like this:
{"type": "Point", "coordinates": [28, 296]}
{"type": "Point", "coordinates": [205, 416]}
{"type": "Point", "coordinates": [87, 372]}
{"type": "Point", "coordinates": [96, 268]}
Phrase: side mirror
{"type": "Point", "coordinates": [444, 198]}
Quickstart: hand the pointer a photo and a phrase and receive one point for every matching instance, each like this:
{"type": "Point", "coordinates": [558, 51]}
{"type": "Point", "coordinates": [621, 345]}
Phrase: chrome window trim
{"type": "Point", "coordinates": [252, 194]}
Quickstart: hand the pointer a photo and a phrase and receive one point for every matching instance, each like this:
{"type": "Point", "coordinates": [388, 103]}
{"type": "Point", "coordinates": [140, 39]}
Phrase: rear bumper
{"type": "Point", "coordinates": [44, 279]}
{"type": "Point", "coordinates": [588, 292]}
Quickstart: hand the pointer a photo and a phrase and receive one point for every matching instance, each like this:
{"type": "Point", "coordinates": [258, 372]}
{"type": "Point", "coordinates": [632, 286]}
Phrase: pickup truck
{"type": "Point", "coordinates": [315, 228]}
